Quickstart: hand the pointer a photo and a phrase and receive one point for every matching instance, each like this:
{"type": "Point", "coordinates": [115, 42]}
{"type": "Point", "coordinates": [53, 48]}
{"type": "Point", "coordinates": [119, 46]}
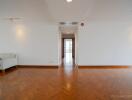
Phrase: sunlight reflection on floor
{"type": "Point", "coordinates": [68, 63]}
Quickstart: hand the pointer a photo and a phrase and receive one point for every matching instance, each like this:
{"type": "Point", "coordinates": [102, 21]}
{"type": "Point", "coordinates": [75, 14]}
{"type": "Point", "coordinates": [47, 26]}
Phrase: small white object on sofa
{"type": "Point", "coordinates": [7, 60]}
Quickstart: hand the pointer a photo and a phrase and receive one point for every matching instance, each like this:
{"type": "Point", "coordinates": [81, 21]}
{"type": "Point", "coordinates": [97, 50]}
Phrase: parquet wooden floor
{"type": "Point", "coordinates": [66, 84]}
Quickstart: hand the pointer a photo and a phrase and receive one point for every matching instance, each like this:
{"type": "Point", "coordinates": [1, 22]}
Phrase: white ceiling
{"type": "Point", "coordinates": [89, 10]}
{"type": "Point", "coordinates": [74, 11]}
{"type": "Point", "coordinates": [61, 11]}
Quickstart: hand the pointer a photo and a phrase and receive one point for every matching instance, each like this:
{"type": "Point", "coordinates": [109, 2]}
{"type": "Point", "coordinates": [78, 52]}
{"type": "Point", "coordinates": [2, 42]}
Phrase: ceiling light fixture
{"type": "Point", "coordinates": [69, 1]}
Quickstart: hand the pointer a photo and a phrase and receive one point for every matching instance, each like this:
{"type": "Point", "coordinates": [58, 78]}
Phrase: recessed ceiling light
{"type": "Point", "coordinates": [69, 0]}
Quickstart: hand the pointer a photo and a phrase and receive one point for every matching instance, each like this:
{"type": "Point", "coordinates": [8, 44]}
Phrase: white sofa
{"type": "Point", "coordinates": [7, 60]}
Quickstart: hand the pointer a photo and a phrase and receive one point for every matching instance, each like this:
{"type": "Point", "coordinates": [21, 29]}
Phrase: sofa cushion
{"type": "Point", "coordinates": [7, 55]}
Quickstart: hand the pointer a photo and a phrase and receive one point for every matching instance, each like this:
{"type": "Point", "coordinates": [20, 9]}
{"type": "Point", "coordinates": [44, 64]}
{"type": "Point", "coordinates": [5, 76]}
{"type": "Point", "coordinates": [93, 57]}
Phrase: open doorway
{"type": "Point", "coordinates": [68, 34]}
{"type": "Point", "coordinates": [68, 51]}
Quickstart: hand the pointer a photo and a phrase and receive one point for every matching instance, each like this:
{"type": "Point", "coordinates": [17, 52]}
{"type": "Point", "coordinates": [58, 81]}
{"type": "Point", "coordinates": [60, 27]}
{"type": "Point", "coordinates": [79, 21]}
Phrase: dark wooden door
{"type": "Point", "coordinates": [73, 48]}
{"type": "Point", "coordinates": [62, 47]}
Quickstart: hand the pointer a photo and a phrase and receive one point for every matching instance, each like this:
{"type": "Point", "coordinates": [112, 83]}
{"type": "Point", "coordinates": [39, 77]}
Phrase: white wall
{"type": "Point", "coordinates": [106, 38]}
{"type": "Point", "coordinates": [105, 44]}
{"type": "Point", "coordinates": [33, 37]}
{"type": "Point", "coordinates": [35, 43]}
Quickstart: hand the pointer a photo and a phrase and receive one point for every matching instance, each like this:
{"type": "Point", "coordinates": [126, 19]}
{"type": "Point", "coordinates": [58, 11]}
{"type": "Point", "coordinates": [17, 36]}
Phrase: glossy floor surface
{"type": "Point", "coordinates": [68, 83]}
